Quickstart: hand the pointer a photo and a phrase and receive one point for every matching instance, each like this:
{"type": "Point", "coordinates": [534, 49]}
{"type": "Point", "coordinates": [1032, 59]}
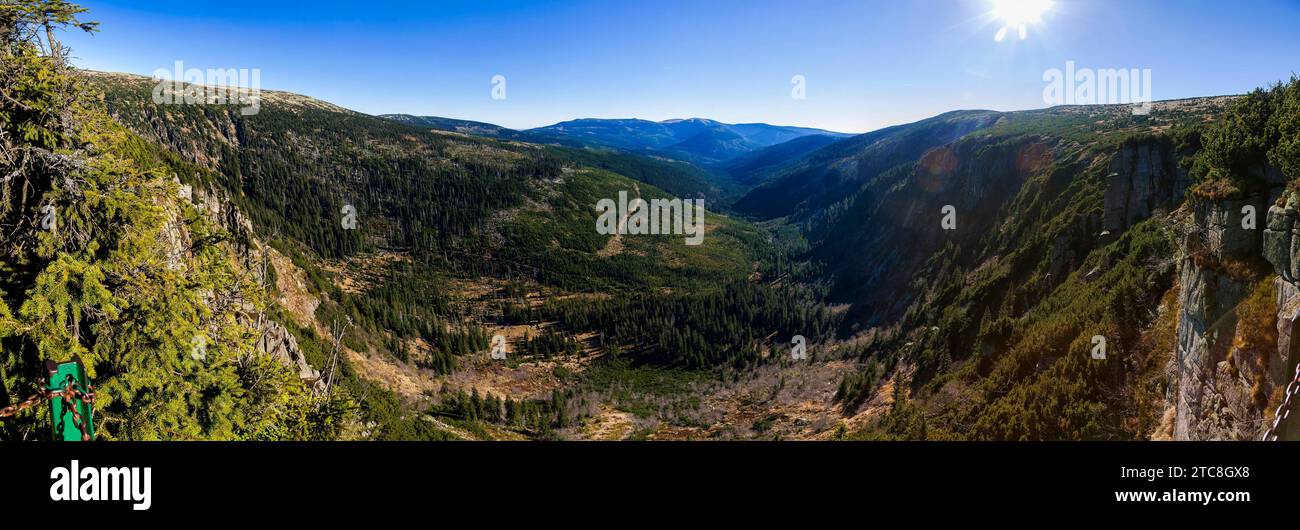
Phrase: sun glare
{"type": "Point", "coordinates": [1017, 12]}
{"type": "Point", "coordinates": [1018, 15]}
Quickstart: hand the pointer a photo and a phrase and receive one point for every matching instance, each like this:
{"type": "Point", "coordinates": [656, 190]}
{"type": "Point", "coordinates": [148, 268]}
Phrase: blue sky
{"type": "Point", "coordinates": [868, 63]}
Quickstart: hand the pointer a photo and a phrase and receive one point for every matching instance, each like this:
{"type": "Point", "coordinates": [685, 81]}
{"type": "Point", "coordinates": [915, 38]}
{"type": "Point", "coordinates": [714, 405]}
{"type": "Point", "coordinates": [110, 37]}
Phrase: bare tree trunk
{"type": "Point", "coordinates": [336, 337]}
{"type": "Point", "coordinates": [56, 49]}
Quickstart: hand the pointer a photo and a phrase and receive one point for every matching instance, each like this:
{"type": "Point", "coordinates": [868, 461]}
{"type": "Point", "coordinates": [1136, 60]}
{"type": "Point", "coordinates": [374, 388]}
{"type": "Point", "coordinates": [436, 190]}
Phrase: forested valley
{"type": "Point", "coordinates": [311, 272]}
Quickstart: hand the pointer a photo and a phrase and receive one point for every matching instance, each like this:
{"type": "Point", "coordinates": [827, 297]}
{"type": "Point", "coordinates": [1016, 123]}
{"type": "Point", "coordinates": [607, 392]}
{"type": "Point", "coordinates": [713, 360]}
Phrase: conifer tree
{"type": "Point", "coordinates": [101, 260]}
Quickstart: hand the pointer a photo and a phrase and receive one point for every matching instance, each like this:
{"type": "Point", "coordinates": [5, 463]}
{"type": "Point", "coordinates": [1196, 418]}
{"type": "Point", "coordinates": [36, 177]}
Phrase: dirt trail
{"type": "Point", "coordinates": [610, 425]}
{"type": "Point", "coordinates": [615, 246]}
{"type": "Point", "coordinates": [455, 431]}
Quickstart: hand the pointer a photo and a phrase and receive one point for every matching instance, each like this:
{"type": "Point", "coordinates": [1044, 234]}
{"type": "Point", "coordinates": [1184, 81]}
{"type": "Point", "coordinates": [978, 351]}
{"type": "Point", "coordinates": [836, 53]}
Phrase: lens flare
{"type": "Point", "coordinates": [1017, 15]}
{"type": "Point", "coordinates": [1017, 12]}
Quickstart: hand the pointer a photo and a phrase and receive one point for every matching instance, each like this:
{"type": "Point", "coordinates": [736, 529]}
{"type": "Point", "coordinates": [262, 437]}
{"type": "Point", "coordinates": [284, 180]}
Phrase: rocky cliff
{"type": "Point", "coordinates": [282, 346]}
{"type": "Point", "coordinates": [1215, 376]}
{"type": "Point", "coordinates": [275, 339]}
{"type": "Point", "coordinates": [1282, 250]}
{"type": "Point", "coordinates": [1144, 181]}
{"type": "Point", "coordinates": [1240, 301]}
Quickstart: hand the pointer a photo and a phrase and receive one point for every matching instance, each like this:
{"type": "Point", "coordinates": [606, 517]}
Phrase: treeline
{"type": "Point", "coordinates": [407, 305]}
{"type": "Point", "coordinates": [1259, 133]}
{"type": "Point", "coordinates": [550, 344]}
{"type": "Point", "coordinates": [729, 327]}
{"type": "Point", "coordinates": [533, 416]}
{"type": "Point", "coordinates": [677, 178]}
{"type": "Point", "coordinates": [857, 387]}
{"type": "Point", "coordinates": [295, 168]}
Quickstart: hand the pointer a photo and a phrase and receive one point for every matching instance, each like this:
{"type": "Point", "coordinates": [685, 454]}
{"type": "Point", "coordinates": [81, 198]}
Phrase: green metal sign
{"type": "Point", "coordinates": [71, 413]}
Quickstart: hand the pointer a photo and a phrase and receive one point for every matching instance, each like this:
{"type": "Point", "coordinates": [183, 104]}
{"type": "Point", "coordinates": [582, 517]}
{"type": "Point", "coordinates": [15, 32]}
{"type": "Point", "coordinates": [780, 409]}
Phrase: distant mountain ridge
{"type": "Point", "coordinates": [756, 167]}
{"type": "Point", "coordinates": [698, 140]}
{"type": "Point", "coordinates": [473, 128]}
{"type": "Point", "coordinates": [825, 175]}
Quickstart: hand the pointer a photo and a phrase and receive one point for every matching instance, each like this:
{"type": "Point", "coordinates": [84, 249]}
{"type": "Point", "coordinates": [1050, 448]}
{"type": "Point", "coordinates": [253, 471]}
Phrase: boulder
{"type": "Point", "coordinates": [281, 345]}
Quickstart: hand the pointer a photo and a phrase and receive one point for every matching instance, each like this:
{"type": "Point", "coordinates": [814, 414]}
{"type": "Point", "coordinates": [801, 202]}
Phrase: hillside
{"type": "Point", "coordinates": [472, 128]}
{"type": "Point", "coordinates": [757, 167]}
{"type": "Point", "coordinates": [677, 177]}
{"type": "Point", "coordinates": [712, 145]}
{"type": "Point", "coordinates": [107, 258]}
{"type": "Point", "coordinates": [459, 238]}
{"type": "Point", "coordinates": [1071, 227]}
{"type": "Point", "coordinates": [827, 175]}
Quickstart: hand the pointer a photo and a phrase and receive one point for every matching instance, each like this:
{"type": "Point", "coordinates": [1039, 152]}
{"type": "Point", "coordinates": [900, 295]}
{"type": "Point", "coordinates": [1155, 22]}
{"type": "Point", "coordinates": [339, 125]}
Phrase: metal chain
{"type": "Point", "coordinates": [25, 404]}
{"type": "Point", "coordinates": [68, 396]}
{"type": "Point", "coordinates": [1284, 410]}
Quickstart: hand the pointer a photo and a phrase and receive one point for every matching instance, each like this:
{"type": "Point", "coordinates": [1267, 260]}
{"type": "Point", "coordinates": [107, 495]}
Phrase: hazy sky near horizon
{"type": "Point", "coordinates": [867, 63]}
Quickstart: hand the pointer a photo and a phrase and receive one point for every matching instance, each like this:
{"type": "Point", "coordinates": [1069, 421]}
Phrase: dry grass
{"type": "Point", "coordinates": [291, 282]}
{"type": "Point", "coordinates": [1215, 190]}
{"type": "Point", "coordinates": [1256, 338]}
{"type": "Point", "coordinates": [1165, 431]}
{"type": "Point", "coordinates": [1153, 412]}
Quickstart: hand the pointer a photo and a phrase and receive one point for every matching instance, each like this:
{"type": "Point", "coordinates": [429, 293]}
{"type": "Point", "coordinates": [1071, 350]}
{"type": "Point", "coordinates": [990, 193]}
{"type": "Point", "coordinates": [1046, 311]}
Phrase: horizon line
{"type": "Point", "coordinates": [633, 118]}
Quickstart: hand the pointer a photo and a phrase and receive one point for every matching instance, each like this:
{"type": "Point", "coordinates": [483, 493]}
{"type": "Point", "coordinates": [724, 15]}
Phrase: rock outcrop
{"type": "Point", "coordinates": [221, 211]}
{"type": "Point", "coordinates": [1214, 395]}
{"type": "Point", "coordinates": [1227, 391]}
{"type": "Point", "coordinates": [282, 346]}
{"type": "Point", "coordinates": [1144, 181]}
{"type": "Point", "coordinates": [1281, 244]}
{"type": "Point", "coordinates": [276, 340]}
{"type": "Point", "coordinates": [1282, 249]}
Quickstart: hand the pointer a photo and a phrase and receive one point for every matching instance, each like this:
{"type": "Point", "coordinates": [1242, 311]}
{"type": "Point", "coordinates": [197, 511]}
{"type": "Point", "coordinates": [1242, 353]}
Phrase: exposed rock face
{"type": "Point", "coordinates": [1226, 391]}
{"type": "Point", "coordinates": [220, 210]}
{"type": "Point", "coordinates": [1281, 246]}
{"type": "Point", "coordinates": [276, 340]}
{"type": "Point", "coordinates": [282, 346]}
{"type": "Point", "coordinates": [1214, 396]}
{"type": "Point", "coordinates": [1282, 249]}
{"type": "Point", "coordinates": [1144, 181]}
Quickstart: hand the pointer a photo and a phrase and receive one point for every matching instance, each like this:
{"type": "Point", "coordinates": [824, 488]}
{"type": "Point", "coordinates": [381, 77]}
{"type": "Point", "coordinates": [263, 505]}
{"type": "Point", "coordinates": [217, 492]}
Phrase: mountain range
{"type": "Point", "coordinates": [1078, 272]}
{"type": "Point", "coordinates": [697, 140]}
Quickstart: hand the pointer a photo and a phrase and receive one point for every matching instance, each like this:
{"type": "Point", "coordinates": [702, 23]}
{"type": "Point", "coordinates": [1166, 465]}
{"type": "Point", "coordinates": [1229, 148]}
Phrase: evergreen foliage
{"type": "Point", "coordinates": [101, 260]}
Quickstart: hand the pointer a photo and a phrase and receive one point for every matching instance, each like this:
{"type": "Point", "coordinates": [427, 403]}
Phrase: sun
{"type": "Point", "coordinates": [1019, 15]}
{"type": "Point", "coordinates": [1017, 12]}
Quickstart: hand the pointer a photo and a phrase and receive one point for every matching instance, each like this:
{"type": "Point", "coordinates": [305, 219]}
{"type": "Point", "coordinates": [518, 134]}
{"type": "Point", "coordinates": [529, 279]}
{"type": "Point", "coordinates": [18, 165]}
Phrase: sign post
{"type": "Point", "coordinates": [71, 413]}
